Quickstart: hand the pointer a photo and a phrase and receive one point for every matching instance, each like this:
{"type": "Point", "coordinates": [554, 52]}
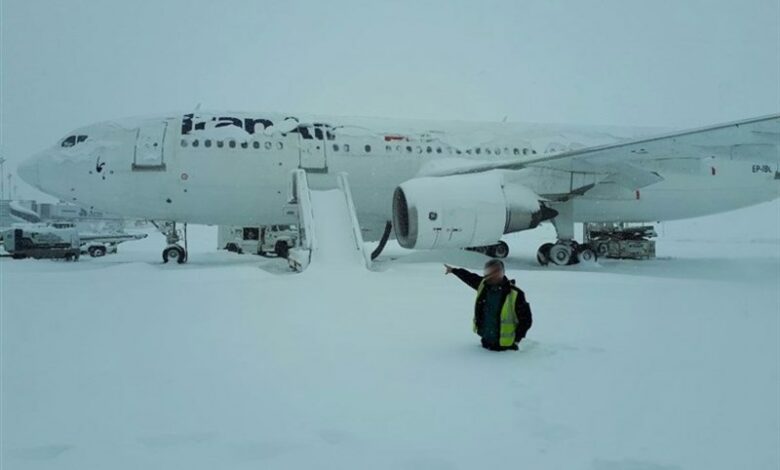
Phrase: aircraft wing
{"type": "Point", "coordinates": [756, 139]}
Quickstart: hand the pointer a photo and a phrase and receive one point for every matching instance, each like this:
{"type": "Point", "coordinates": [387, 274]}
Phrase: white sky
{"type": "Point", "coordinates": [663, 63]}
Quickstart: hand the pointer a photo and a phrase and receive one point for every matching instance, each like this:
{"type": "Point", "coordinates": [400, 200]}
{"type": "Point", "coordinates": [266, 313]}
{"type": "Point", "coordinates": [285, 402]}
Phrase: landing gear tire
{"type": "Point", "coordinates": [499, 250]}
{"type": "Point", "coordinates": [174, 253]}
{"type": "Point", "coordinates": [543, 254]}
{"type": "Point", "coordinates": [586, 255]}
{"type": "Point", "coordinates": [560, 254]}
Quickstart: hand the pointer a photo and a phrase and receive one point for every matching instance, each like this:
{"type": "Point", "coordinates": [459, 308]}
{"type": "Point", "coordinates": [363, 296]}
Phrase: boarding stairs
{"type": "Point", "coordinates": [329, 232]}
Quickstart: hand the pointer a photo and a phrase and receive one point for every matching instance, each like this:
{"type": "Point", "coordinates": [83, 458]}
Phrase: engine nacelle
{"type": "Point", "coordinates": [463, 211]}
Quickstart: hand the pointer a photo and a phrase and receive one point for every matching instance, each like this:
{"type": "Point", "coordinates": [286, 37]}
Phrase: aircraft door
{"type": "Point", "coordinates": [312, 145]}
{"type": "Point", "coordinates": [150, 145]}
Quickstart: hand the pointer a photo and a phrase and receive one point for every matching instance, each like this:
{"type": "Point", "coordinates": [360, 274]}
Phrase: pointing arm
{"type": "Point", "coordinates": [468, 277]}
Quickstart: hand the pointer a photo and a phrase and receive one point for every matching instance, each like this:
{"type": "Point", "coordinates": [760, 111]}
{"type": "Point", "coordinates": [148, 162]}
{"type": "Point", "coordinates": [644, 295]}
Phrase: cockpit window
{"type": "Point", "coordinates": [72, 140]}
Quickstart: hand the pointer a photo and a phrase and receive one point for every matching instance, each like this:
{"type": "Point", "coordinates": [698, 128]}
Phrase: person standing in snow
{"type": "Point", "coordinates": [502, 316]}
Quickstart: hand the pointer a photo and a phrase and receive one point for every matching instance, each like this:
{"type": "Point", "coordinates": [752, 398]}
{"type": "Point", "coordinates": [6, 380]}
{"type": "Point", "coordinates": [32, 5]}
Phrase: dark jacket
{"type": "Point", "coordinates": [522, 308]}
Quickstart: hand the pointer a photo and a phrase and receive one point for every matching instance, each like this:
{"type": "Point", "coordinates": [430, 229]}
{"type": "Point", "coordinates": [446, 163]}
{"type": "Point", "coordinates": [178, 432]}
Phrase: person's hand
{"type": "Point", "coordinates": [448, 269]}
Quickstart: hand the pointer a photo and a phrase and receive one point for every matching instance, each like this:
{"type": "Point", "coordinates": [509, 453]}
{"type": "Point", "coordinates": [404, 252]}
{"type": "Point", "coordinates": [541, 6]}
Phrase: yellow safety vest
{"type": "Point", "coordinates": [509, 319]}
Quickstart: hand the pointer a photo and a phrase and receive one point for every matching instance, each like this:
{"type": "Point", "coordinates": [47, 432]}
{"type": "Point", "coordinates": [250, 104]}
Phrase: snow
{"type": "Point", "coordinates": [335, 243]}
{"type": "Point", "coordinates": [522, 198]}
{"type": "Point", "coordinates": [231, 361]}
{"type": "Point", "coordinates": [19, 214]}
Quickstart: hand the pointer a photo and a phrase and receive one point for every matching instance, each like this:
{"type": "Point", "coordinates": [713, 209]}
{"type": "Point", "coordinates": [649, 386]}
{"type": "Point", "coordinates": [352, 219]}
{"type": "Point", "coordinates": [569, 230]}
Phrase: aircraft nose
{"type": "Point", "coordinates": [28, 171]}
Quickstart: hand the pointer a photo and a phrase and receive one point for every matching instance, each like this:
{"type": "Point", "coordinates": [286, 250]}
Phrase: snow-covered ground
{"type": "Point", "coordinates": [232, 362]}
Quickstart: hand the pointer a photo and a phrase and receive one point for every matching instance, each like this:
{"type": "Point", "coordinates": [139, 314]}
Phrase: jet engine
{"type": "Point", "coordinates": [463, 210]}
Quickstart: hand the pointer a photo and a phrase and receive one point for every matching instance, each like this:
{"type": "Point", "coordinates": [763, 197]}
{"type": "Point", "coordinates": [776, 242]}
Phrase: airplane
{"type": "Point", "coordinates": [437, 184]}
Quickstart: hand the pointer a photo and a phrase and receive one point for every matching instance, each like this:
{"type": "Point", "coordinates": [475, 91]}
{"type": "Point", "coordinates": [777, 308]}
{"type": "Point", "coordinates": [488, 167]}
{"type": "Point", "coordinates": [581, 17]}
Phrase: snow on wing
{"type": "Point", "coordinates": [756, 139]}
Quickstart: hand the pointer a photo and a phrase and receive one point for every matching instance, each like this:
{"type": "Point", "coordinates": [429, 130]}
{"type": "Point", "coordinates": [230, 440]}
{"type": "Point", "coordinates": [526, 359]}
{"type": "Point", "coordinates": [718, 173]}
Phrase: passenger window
{"type": "Point", "coordinates": [280, 145]}
{"type": "Point", "coordinates": [318, 133]}
{"type": "Point", "coordinates": [335, 147]}
{"type": "Point", "coordinates": [183, 142]}
{"type": "Point", "coordinates": [409, 148]}
{"type": "Point", "coordinates": [429, 149]}
{"type": "Point", "coordinates": [487, 151]}
{"type": "Point", "coordinates": [388, 148]}
{"type": "Point", "coordinates": [256, 144]}
{"type": "Point", "coordinates": [438, 149]}
{"type": "Point", "coordinates": [368, 148]}
{"type": "Point", "coordinates": [516, 151]}
{"type": "Point", "coordinates": [81, 138]}
{"type": "Point", "coordinates": [244, 145]}
{"type": "Point", "coordinates": [267, 145]}
{"type": "Point", "coordinates": [220, 144]}
{"type": "Point", "coordinates": [195, 143]}
{"type": "Point", "coordinates": [525, 151]}
{"type": "Point", "coordinates": [207, 143]}
{"type": "Point", "coordinates": [478, 151]}
{"type": "Point", "coordinates": [346, 147]}
{"type": "Point", "coordinates": [232, 144]}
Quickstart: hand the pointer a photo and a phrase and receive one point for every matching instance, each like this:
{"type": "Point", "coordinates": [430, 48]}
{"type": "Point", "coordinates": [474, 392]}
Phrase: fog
{"type": "Point", "coordinates": [669, 64]}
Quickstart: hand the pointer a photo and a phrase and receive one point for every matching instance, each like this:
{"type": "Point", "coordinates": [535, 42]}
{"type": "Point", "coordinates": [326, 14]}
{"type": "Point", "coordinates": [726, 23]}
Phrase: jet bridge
{"type": "Point", "coordinates": [329, 230]}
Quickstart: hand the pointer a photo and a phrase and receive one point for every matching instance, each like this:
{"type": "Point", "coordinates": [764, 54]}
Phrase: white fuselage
{"type": "Point", "coordinates": [234, 168]}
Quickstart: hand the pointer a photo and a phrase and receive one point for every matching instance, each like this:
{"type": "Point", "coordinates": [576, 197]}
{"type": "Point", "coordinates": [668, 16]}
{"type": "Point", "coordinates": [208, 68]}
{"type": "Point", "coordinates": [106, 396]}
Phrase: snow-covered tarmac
{"type": "Point", "coordinates": [231, 362]}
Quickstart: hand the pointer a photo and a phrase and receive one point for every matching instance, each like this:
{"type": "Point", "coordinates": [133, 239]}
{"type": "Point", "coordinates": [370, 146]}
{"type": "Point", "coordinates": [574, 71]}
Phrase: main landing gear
{"type": "Point", "coordinates": [566, 250]}
{"type": "Point", "coordinates": [174, 251]}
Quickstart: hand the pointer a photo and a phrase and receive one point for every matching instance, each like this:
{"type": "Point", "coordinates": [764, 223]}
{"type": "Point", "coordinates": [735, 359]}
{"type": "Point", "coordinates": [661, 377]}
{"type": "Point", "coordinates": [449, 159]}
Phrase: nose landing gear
{"type": "Point", "coordinates": [499, 250]}
{"type": "Point", "coordinates": [174, 251]}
